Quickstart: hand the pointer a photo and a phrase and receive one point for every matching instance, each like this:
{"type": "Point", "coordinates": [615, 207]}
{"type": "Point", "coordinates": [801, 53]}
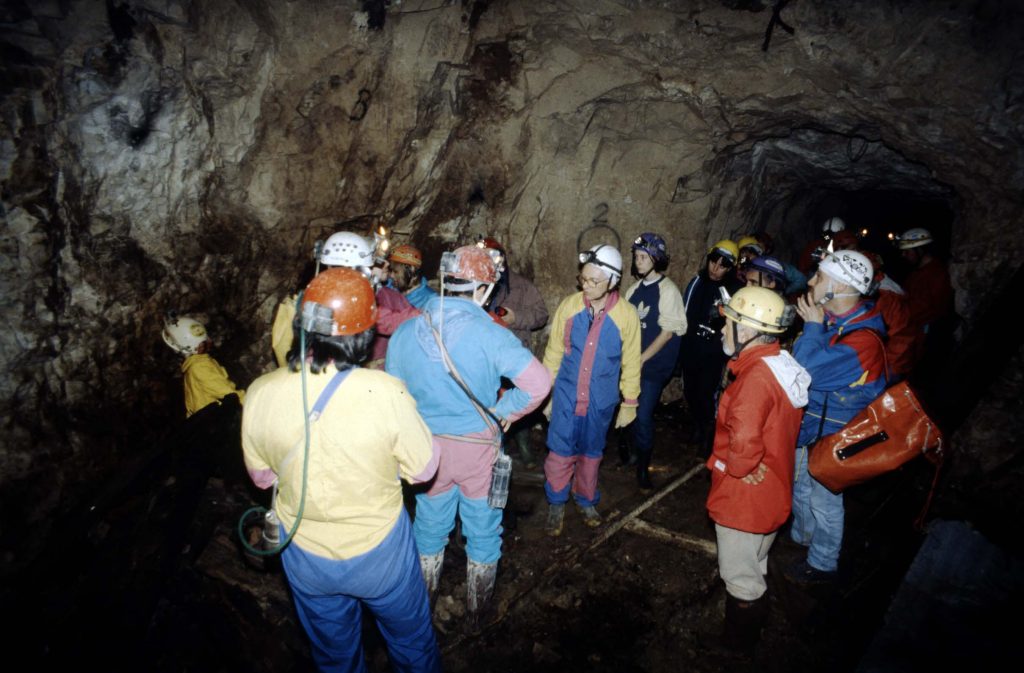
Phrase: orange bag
{"type": "Point", "coordinates": [890, 431]}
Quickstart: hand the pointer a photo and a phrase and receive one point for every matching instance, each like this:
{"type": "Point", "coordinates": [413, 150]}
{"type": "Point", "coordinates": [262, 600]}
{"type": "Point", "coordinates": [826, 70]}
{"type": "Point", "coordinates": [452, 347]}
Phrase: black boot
{"type": "Point", "coordinates": [743, 623]}
{"type": "Point", "coordinates": [626, 455]}
{"type": "Point", "coordinates": [643, 474]}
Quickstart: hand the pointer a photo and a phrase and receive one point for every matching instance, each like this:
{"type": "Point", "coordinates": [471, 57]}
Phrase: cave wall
{"type": "Point", "coordinates": [182, 155]}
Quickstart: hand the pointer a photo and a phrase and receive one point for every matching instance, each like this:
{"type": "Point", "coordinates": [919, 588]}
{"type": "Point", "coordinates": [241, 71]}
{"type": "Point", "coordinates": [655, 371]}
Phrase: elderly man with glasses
{"type": "Point", "coordinates": [593, 355]}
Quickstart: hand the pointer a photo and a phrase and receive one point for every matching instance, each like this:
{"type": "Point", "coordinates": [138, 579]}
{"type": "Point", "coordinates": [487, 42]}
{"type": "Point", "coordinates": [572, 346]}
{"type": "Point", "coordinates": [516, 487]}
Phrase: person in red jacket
{"type": "Point", "coordinates": [929, 295]}
{"type": "Point", "coordinates": [752, 458]}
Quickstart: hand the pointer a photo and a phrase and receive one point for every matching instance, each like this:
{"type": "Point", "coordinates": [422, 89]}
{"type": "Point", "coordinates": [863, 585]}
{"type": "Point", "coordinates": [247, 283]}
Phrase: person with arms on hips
{"type": "Point", "coordinates": [455, 338]}
{"type": "Point", "coordinates": [700, 352]}
{"type": "Point", "coordinates": [406, 262]}
{"type": "Point", "coordinates": [752, 459]}
{"type": "Point", "coordinates": [593, 354]}
{"type": "Point", "coordinates": [520, 307]}
{"type": "Point", "coordinates": [353, 545]}
{"type": "Point", "coordinates": [659, 305]}
{"type": "Point", "coordinates": [846, 362]}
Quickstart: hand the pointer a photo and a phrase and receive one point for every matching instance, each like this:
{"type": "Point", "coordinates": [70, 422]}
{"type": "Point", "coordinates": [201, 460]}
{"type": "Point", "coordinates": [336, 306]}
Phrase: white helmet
{"type": "Point", "coordinates": [606, 258]}
{"type": "Point", "coordinates": [833, 225]}
{"type": "Point", "coordinates": [184, 335]}
{"type": "Point", "coordinates": [914, 238]}
{"type": "Point", "coordinates": [850, 268]}
{"type": "Point", "coordinates": [347, 249]}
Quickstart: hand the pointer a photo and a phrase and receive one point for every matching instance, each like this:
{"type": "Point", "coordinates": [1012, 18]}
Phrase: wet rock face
{"type": "Point", "coordinates": [186, 155]}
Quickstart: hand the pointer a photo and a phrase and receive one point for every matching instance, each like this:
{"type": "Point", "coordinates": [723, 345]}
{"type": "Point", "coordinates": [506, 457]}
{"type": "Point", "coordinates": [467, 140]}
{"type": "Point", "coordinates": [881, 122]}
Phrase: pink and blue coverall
{"type": "Point", "coordinates": [592, 359]}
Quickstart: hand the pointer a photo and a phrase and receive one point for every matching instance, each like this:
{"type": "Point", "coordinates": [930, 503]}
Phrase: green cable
{"type": "Point", "coordinates": [305, 468]}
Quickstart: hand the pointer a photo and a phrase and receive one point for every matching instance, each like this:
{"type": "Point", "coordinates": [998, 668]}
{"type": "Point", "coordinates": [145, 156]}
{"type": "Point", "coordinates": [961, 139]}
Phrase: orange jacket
{"type": "Point", "coordinates": [758, 420]}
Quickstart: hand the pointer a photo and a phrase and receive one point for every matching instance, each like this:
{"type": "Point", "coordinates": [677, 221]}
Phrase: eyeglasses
{"type": "Point", "coordinates": [590, 282]}
{"type": "Point", "coordinates": [719, 258]}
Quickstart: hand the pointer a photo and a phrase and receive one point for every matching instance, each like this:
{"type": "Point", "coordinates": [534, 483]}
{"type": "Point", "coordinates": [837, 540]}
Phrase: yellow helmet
{"type": "Point", "coordinates": [760, 309]}
{"type": "Point", "coordinates": [726, 247]}
{"type": "Point", "coordinates": [750, 242]}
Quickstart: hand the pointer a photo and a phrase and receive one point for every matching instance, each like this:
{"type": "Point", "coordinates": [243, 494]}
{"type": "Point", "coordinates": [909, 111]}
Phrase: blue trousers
{"type": "Point", "coordinates": [643, 426]}
{"type": "Point", "coordinates": [817, 517]}
{"type": "Point", "coordinates": [435, 519]}
{"type": "Point", "coordinates": [329, 595]}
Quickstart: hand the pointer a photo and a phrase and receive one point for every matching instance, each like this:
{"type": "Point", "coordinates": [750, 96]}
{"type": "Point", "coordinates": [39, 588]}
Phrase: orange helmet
{"type": "Point", "coordinates": [338, 302]}
{"type": "Point", "coordinates": [469, 263]}
{"type": "Point", "coordinates": [406, 254]}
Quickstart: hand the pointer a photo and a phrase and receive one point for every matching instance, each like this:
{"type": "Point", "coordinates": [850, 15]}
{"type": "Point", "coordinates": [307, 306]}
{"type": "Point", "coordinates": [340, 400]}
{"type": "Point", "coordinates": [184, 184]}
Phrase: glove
{"type": "Point", "coordinates": [547, 409]}
{"type": "Point", "coordinates": [626, 416]}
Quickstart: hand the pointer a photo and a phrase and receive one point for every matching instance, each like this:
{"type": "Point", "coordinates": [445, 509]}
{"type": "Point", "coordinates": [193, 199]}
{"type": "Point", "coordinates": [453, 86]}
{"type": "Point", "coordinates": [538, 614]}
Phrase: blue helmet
{"type": "Point", "coordinates": [769, 266]}
{"type": "Point", "coordinates": [653, 245]}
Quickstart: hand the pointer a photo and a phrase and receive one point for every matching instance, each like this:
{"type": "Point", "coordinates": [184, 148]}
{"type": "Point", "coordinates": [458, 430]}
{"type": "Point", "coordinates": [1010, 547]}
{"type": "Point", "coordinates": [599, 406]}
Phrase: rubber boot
{"type": "Point", "coordinates": [627, 456]}
{"type": "Point", "coordinates": [556, 517]}
{"type": "Point", "coordinates": [522, 441]}
{"type": "Point", "coordinates": [643, 474]}
{"type": "Point", "coordinates": [479, 589]}
{"type": "Point", "coordinates": [431, 568]}
{"type": "Point", "coordinates": [743, 623]}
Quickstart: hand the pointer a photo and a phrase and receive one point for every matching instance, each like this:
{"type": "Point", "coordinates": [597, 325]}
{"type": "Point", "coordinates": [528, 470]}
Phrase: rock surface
{"type": "Point", "coordinates": [171, 155]}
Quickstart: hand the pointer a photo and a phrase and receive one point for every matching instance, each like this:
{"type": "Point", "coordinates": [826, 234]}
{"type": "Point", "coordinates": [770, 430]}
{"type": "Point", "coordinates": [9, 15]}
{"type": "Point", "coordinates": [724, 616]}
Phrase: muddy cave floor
{"type": "Point", "coordinates": [161, 584]}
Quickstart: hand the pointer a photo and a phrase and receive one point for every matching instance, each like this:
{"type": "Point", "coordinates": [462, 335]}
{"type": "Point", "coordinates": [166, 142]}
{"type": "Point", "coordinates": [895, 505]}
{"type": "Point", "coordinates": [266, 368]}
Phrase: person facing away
{"type": "Point", "coordinates": [842, 348]}
{"type": "Point", "coordinates": [593, 355]}
{"type": "Point", "coordinates": [342, 496]}
{"type": "Point", "coordinates": [456, 338]}
{"type": "Point", "coordinates": [342, 249]}
{"type": "Point", "coordinates": [751, 461]}
{"type": "Point", "coordinates": [659, 306]}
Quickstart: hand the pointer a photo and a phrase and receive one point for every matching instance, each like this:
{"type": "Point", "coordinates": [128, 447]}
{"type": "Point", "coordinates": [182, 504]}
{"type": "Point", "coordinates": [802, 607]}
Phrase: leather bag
{"type": "Point", "coordinates": [885, 435]}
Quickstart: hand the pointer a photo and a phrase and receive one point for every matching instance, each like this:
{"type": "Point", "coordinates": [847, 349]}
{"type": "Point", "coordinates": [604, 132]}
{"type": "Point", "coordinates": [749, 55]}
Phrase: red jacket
{"type": "Point", "coordinates": [895, 310]}
{"type": "Point", "coordinates": [930, 298]}
{"type": "Point", "coordinates": [758, 421]}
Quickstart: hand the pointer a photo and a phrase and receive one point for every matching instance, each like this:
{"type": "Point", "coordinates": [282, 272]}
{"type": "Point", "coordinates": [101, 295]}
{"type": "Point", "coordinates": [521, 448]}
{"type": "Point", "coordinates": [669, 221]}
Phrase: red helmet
{"type": "Point", "coordinates": [406, 254]}
{"type": "Point", "coordinates": [470, 263]}
{"type": "Point", "coordinates": [492, 243]}
{"type": "Point", "coordinates": [338, 302]}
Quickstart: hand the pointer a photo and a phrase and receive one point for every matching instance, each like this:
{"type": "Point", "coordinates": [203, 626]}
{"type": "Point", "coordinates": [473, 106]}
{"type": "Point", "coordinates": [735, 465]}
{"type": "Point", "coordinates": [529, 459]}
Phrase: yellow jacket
{"type": "Point", "coordinates": [206, 382]}
{"type": "Point", "coordinates": [281, 333]}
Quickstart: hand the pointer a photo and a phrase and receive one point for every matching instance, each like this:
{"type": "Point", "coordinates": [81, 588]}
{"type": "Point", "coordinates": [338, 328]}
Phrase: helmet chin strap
{"type": "Point", "coordinates": [486, 295]}
{"type": "Point", "coordinates": [832, 294]}
{"type": "Point", "coordinates": [737, 346]}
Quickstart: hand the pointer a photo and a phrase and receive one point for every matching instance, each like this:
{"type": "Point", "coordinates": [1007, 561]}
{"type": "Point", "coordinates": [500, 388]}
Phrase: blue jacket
{"type": "Point", "coordinates": [846, 366]}
{"type": "Point", "coordinates": [482, 351]}
{"type": "Point", "coordinates": [421, 294]}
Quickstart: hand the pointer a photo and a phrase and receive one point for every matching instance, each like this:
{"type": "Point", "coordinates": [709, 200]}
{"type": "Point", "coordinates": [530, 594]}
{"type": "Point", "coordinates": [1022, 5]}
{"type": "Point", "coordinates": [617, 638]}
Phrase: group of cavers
{"type": "Point", "coordinates": [385, 377]}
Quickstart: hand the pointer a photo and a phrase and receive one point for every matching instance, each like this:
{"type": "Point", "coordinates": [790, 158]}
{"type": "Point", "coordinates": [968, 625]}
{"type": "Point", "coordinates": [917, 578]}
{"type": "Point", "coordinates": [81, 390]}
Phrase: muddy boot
{"type": "Point", "coordinates": [556, 515]}
{"type": "Point", "coordinates": [591, 517]}
{"type": "Point", "coordinates": [743, 623]}
{"type": "Point", "coordinates": [522, 441]}
{"type": "Point", "coordinates": [479, 588]}
{"type": "Point", "coordinates": [431, 568]}
{"type": "Point", "coordinates": [643, 474]}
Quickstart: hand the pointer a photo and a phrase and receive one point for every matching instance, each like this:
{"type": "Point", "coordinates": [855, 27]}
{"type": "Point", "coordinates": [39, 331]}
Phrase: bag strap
{"type": "Point", "coordinates": [489, 417]}
{"type": "Point", "coordinates": [318, 408]}
{"type": "Point", "coordinates": [885, 371]}
{"type": "Point", "coordinates": [881, 342]}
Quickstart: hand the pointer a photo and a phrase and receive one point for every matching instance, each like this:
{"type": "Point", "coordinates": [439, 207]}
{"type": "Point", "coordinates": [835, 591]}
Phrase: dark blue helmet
{"type": "Point", "coordinates": [653, 245]}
